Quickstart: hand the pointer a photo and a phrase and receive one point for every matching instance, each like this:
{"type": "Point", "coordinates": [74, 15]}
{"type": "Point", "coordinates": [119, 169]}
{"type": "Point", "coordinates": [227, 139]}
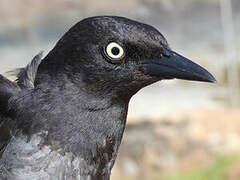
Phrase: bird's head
{"type": "Point", "coordinates": [118, 55]}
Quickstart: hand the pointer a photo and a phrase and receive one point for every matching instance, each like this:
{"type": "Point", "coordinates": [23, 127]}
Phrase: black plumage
{"type": "Point", "coordinates": [64, 117]}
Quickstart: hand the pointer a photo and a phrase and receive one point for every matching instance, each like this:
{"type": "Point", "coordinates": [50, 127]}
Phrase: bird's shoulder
{"type": "Point", "coordinates": [26, 75]}
{"type": "Point", "coordinates": [7, 90]}
{"type": "Point", "coordinates": [12, 94]}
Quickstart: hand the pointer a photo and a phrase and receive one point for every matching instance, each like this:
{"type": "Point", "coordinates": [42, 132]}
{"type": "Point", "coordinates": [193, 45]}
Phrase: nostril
{"type": "Point", "coordinates": [166, 51]}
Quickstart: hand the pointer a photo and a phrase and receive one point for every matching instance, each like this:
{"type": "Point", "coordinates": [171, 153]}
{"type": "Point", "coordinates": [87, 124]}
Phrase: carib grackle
{"type": "Point", "coordinates": [64, 116]}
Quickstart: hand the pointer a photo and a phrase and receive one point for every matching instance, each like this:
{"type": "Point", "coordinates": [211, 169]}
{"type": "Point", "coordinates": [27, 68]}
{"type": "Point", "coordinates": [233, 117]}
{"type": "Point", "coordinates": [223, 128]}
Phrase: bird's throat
{"type": "Point", "coordinates": [89, 125]}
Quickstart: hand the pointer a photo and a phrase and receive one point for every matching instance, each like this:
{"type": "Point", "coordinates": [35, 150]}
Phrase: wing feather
{"type": "Point", "coordinates": [26, 75]}
{"type": "Point", "coordinates": [25, 79]}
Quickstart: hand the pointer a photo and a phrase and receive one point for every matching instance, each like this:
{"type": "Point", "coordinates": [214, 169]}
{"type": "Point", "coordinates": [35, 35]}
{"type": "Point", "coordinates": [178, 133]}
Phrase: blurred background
{"type": "Point", "coordinates": [176, 130]}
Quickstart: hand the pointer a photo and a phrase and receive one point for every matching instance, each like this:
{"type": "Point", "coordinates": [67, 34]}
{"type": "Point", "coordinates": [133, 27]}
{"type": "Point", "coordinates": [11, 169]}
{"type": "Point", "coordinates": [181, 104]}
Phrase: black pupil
{"type": "Point", "coordinates": [115, 51]}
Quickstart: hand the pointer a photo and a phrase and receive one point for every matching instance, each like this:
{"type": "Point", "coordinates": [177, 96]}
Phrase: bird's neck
{"type": "Point", "coordinates": [89, 125]}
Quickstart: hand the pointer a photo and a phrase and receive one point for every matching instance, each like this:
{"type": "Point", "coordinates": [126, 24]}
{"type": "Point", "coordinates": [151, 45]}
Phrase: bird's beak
{"type": "Point", "coordinates": [172, 65]}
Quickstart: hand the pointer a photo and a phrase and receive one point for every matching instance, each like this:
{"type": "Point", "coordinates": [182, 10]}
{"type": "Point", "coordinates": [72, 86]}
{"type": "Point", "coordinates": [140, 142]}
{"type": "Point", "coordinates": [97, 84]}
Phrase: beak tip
{"type": "Point", "coordinates": [211, 79]}
{"type": "Point", "coordinates": [214, 81]}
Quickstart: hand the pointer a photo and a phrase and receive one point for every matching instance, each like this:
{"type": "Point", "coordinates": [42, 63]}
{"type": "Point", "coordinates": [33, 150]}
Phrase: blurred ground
{"type": "Point", "coordinates": [178, 143]}
{"type": "Point", "coordinates": [173, 126]}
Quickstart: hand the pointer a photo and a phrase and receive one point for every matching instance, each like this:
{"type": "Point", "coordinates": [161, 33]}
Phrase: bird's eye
{"type": "Point", "coordinates": [114, 51]}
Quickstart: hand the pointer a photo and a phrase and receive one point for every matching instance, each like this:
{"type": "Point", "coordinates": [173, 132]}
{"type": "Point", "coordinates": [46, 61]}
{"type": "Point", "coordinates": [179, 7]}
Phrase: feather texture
{"type": "Point", "coordinates": [26, 76]}
{"type": "Point", "coordinates": [25, 159]}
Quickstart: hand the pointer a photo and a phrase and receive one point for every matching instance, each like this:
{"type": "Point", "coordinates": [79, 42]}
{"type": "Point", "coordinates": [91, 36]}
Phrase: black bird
{"type": "Point", "coordinates": [64, 117]}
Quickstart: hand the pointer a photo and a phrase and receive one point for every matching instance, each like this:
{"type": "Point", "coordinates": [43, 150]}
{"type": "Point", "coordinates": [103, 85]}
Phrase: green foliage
{"type": "Point", "coordinates": [218, 171]}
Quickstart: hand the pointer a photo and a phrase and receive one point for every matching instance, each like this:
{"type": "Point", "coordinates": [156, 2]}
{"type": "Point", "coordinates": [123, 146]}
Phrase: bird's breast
{"type": "Point", "coordinates": [28, 159]}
